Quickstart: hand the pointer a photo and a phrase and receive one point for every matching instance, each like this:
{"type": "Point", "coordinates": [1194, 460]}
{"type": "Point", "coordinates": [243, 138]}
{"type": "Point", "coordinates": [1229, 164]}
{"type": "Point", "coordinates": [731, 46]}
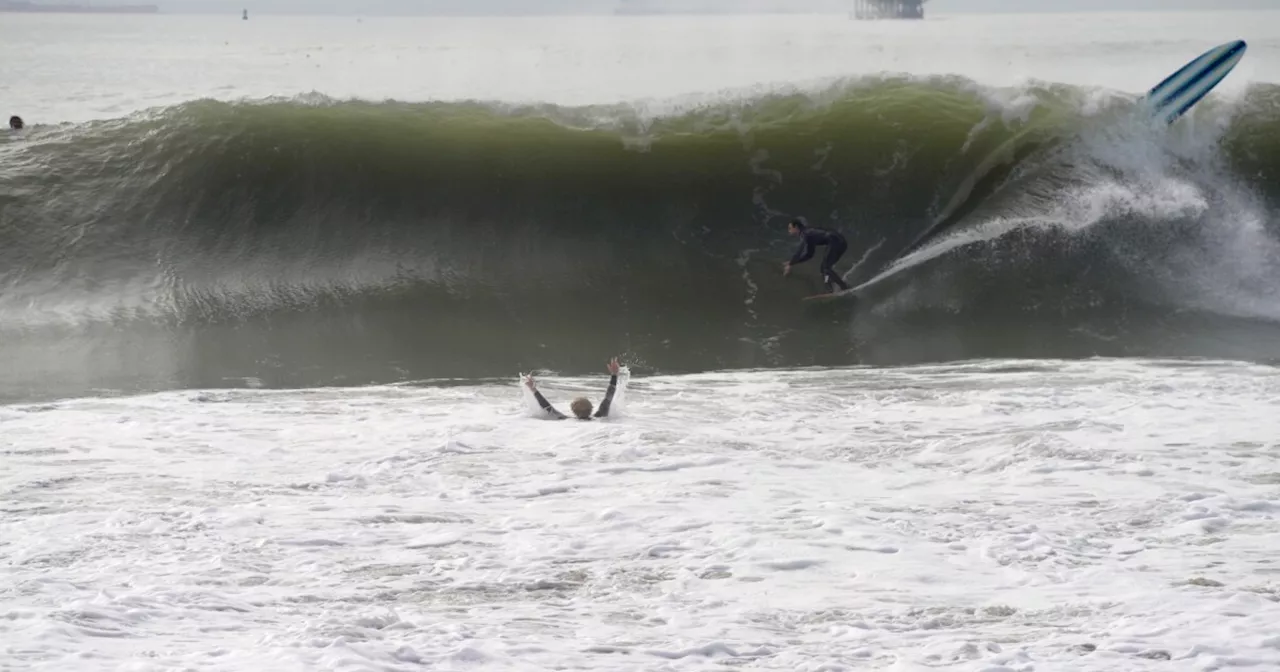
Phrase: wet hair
{"type": "Point", "coordinates": [581, 407]}
{"type": "Point", "coordinates": [15, 122]}
{"type": "Point", "coordinates": [797, 222]}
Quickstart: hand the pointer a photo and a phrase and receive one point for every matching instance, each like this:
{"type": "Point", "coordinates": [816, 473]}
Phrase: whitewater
{"type": "Point", "coordinates": [1095, 515]}
{"type": "Point", "coordinates": [269, 287]}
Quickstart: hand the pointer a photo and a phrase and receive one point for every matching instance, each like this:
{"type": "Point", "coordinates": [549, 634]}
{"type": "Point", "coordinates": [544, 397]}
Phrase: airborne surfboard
{"type": "Point", "coordinates": [1172, 97]}
{"type": "Point", "coordinates": [1166, 101]}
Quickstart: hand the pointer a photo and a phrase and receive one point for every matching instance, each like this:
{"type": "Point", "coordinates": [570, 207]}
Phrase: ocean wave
{"type": "Point", "coordinates": [478, 227]}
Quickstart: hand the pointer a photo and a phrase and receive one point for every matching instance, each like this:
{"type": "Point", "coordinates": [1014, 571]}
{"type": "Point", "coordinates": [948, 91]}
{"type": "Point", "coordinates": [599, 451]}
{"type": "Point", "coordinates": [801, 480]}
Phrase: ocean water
{"type": "Point", "coordinates": [266, 288]}
{"type": "Point", "coordinates": [205, 201]}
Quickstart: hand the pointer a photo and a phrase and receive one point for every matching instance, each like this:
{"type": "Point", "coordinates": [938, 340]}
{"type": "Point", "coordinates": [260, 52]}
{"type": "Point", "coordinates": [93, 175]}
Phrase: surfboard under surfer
{"type": "Point", "coordinates": [810, 239]}
{"type": "Point", "coordinates": [581, 407]}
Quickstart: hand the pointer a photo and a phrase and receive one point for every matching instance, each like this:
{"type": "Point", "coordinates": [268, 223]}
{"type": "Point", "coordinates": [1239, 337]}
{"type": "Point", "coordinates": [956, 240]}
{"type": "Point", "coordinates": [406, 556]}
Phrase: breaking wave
{"type": "Point", "coordinates": [307, 241]}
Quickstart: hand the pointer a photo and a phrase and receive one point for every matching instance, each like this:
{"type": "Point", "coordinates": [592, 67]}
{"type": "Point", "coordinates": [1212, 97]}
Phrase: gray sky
{"type": "Point", "coordinates": [375, 7]}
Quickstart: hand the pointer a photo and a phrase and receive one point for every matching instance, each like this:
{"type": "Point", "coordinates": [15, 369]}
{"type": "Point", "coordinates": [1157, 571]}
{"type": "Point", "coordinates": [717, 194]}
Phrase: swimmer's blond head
{"type": "Point", "coordinates": [581, 407]}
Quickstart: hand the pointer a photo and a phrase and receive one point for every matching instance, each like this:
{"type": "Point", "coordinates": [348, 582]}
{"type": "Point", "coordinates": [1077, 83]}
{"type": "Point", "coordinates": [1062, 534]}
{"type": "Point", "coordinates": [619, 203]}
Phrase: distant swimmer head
{"type": "Point", "coordinates": [796, 226]}
{"type": "Point", "coordinates": [15, 122]}
{"type": "Point", "coordinates": [581, 407]}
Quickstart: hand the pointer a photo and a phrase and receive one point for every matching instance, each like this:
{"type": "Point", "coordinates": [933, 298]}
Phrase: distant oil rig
{"type": "Point", "coordinates": [888, 9]}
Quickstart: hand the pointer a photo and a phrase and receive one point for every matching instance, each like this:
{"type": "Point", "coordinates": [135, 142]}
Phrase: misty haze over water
{"type": "Point", "coordinates": [518, 7]}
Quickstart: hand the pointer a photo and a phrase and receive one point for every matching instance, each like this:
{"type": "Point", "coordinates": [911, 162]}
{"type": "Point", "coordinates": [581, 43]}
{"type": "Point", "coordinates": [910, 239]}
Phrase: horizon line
{"type": "Point", "coordinates": [763, 12]}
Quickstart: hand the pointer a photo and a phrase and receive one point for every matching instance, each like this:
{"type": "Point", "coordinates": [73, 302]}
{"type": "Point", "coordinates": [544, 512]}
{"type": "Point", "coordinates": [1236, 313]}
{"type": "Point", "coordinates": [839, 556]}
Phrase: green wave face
{"type": "Point", "coordinates": [475, 230]}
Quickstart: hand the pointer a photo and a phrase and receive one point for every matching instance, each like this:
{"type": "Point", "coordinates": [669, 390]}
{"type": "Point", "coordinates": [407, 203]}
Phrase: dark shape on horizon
{"type": "Point", "coordinates": [888, 9]}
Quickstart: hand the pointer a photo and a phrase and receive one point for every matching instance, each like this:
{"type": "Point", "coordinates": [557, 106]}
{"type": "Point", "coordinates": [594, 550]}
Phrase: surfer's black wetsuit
{"type": "Point", "coordinates": [810, 238]}
{"type": "Point", "coordinates": [600, 412]}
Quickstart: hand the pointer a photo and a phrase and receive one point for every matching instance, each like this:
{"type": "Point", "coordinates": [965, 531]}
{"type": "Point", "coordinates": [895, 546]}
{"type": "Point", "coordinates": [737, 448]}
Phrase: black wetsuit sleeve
{"type": "Point", "coordinates": [608, 397]}
{"type": "Point", "coordinates": [804, 252]}
{"type": "Point", "coordinates": [546, 406]}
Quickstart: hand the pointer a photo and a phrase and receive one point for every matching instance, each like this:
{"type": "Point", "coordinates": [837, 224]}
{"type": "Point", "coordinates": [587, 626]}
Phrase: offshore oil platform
{"type": "Point", "coordinates": [888, 9]}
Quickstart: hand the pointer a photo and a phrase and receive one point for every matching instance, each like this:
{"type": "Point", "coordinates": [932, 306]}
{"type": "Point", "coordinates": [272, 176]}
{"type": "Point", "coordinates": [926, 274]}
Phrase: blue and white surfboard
{"type": "Point", "coordinates": [1169, 99]}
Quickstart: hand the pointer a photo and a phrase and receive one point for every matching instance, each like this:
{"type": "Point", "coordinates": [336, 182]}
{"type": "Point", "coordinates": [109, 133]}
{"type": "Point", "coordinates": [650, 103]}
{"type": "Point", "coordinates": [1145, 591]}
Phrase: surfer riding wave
{"type": "Point", "coordinates": [810, 239]}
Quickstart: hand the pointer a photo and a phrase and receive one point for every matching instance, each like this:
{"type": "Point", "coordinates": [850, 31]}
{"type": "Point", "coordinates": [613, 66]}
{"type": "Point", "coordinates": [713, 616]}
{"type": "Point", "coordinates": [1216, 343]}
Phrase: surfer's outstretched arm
{"type": "Point", "coordinates": [803, 253]}
{"type": "Point", "coordinates": [542, 401]}
{"type": "Point", "coordinates": [608, 397]}
{"type": "Point", "coordinates": [546, 406]}
{"type": "Point", "coordinates": [603, 411]}
{"type": "Point", "coordinates": [613, 387]}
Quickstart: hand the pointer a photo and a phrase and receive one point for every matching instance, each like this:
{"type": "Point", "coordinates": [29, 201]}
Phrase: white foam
{"type": "Point", "coordinates": [1129, 173]}
{"type": "Point", "coordinates": [1066, 516]}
